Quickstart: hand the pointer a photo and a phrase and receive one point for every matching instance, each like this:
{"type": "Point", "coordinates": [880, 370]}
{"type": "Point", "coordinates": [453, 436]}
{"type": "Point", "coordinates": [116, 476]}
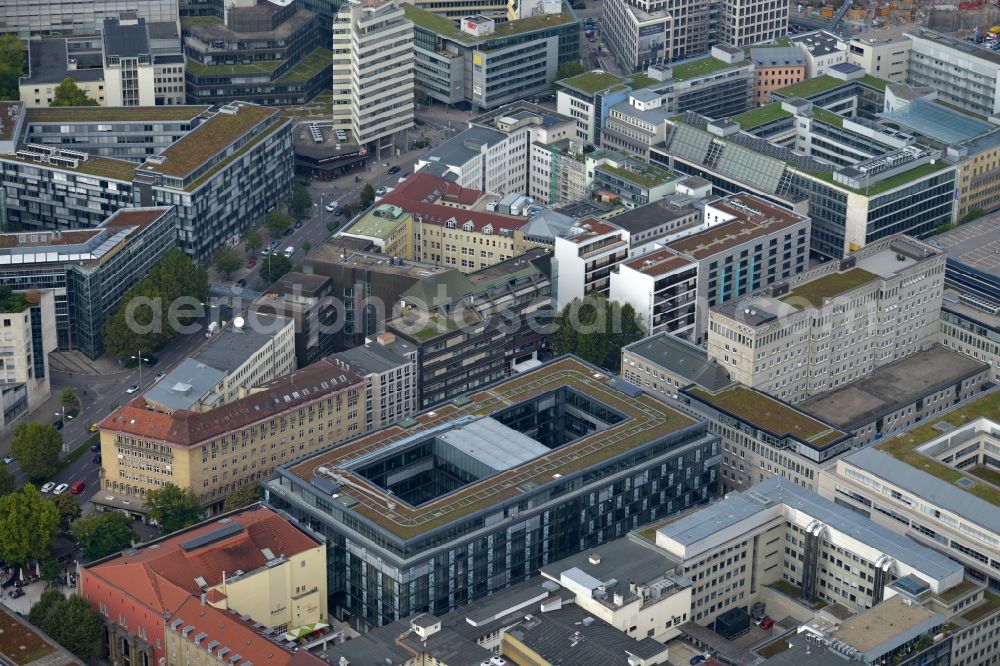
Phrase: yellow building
{"type": "Point", "coordinates": [215, 452]}
{"type": "Point", "coordinates": [978, 176]}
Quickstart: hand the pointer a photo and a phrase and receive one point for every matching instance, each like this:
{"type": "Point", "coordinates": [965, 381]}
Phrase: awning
{"type": "Point", "coordinates": [305, 630]}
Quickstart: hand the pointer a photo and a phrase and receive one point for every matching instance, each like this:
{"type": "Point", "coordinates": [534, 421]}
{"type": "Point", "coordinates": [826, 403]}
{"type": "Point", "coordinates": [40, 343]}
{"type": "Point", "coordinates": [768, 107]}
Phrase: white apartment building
{"type": "Point", "coordinates": [389, 364]}
{"type": "Point", "coordinates": [962, 74]}
{"type": "Point", "coordinates": [662, 286]}
{"type": "Point", "coordinates": [129, 78]}
{"type": "Point", "coordinates": [835, 323]}
{"type": "Point", "coordinates": [373, 74]}
{"type": "Point", "coordinates": [27, 337]}
{"type": "Point", "coordinates": [732, 549]}
{"type": "Point", "coordinates": [586, 259]}
{"type": "Point", "coordinates": [884, 54]}
{"type": "Point", "coordinates": [821, 50]}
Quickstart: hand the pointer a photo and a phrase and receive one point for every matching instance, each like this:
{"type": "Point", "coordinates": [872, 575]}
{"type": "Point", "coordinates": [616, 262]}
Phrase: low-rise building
{"type": "Point", "coordinates": [482, 63]}
{"type": "Point", "coordinates": [833, 324]}
{"type": "Point", "coordinates": [143, 63]}
{"type": "Point", "coordinates": [389, 365]}
{"type": "Point", "coordinates": [775, 67]}
{"type": "Point", "coordinates": [263, 52]}
{"type": "Point", "coordinates": [190, 597]}
{"type": "Point", "coordinates": [896, 396]}
{"type": "Point", "coordinates": [821, 50]}
{"type": "Point", "coordinates": [558, 435]}
{"type": "Point", "coordinates": [663, 364]}
{"type": "Point", "coordinates": [53, 60]}
{"type": "Point", "coordinates": [778, 531]}
{"type": "Point", "coordinates": [206, 452]}
{"type": "Point", "coordinates": [883, 53]}
{"type": "Point", "coordinates": [586, 258]}
{"type": "Point", "coordinates": [626, 180]}
{"type": "Point", "coordinates": [636, 124]}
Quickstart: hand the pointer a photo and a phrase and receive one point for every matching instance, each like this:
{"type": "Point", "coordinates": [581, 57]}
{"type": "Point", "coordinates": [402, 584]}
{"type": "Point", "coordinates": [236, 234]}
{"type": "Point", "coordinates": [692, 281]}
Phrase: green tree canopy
{"type": "Point", "coordinates": [68, 93]}
{"type": "Point", "coordinates": [367, 195]}
{"type": "Point", "coordinates": [101, 534]}
{"type": "Point", "coordinates": [275, 268]}
{"type": "Point", "coordinates": [569, 69]}
{"type": "Point", "coordinates": [227, 261]}
{"type": "Point", "coordinates": [253, 241]}
{"type": "Point", "coordinates": [145, 324]}
{"type": "Point", "coordinates": [596, 330]}
{"type": "Point", "coordinates": [243, 496]}
{"type": "Point", "coordinates": [28, 525]}
{"type": "Point", "coordinates": [72, 622]}
{"type": "Point", "coordinates": [68, 507]}
{"type": "Point", "coordinates": [37, 446]}
{"type": "Point", "coordinates": [68, 398]}
{"type": "Point", "coordinates": [173, 508]}
{"type": "Point", "coordinates": [277, 223]}
{"type": "Point", "coordinates": [13, 65]}
{"type": "Point", "coordinates": [300, 202]}
{"type": "Point", "coordinates": [7, 483]}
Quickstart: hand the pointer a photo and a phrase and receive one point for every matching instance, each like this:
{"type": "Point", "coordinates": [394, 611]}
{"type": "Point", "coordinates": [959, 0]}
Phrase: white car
{"type": "Point", "coordinates": [160, 375]}
{"type": "Point", "coordinates": [8, 459]}
{"type": "Point", "coordinates": [382, 191]}
{"type": "Point", "coordinates": [60, 489]}
{"type": "Point", "coordinates": [47, 488]}
{"type": "Point", "coordinates": [132, 389]}
{"type": "Point", "coordinates": [332, 206]}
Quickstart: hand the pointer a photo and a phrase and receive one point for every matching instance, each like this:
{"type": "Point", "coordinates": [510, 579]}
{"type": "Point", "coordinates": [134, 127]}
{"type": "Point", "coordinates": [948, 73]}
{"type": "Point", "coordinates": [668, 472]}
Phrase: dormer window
{"type": "Point", "coordinates": [468, 226]}
{"type": "Point", "coordinates": [488, 229]}
{"type": "Point", "coordinates": [450, 223]}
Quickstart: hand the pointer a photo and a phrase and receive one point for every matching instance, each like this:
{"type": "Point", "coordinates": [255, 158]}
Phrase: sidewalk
{"type": "Point", "coordinates": [74, 362]}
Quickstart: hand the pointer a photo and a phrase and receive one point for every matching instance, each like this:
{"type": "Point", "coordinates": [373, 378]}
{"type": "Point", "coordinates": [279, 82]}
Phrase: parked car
{"type": "Point", "coordinates": [95, 448]}
{"type": "Point", "coordinates": [697, 659]}
{"type": "Point", "coordinates": [160, 375]}
{"type": "Point", "coordinates": [60, 489]}
{"type": "Point", "coordinates": [97, 459]}
{"type": "Point", "coordinates": [393, 170]}
{"type": "Point", "coordinates": [289, 231]}
{"type": "Point", "coordinates": [92, 428]}
{"type": "Point", "coordinates": [8, 459]}
{"type": "Point", "coordinates": [241, 283]}
{"type": "Point", "coordinates": [767, 624]}
{"type": "Point", "coordinates": [150, 361]}
{"type": "Point", "coordinates": [251, 262]}
{"type": "Point", "coordinates": [338, 212]}
{"type": "Point", "coordinates": [332, 206]}
{"type": "Point", "coordinates": [760, 618]}
{"type": "Point", "coordinates": [16, 593]}
{"type": "Point", "coordinates": [77, 487]}
{"type": "Point", "coordinates": [47, 488]}
{"type": "Point", "coordinates": [132, 389]}
{"type": "Point", "coordinates": [382, 191]}
{"type": "Point", "coordinates": [298, 224]}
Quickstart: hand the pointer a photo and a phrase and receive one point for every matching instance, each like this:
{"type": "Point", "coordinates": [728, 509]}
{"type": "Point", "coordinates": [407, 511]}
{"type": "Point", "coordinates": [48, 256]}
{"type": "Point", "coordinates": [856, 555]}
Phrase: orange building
{"type": "Point", "coordinates": [774, 68]}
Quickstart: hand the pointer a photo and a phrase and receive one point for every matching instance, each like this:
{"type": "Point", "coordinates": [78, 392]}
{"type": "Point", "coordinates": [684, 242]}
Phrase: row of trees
{"type": "Point", "coordinates": [153, 321]}
{"type": "Point", "coordinates": [596, 329]}
{"type": "Point", "coordinates": [13, 65]}
{"type": "Point", "coordinates": [72, 622]}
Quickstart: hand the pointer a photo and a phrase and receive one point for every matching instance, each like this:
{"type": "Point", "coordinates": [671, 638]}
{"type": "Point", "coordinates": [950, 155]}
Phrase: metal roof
{"type": "Point", "coordinates": [777, 495]}
{"type": "Point", "coordinates": [495, 445]}
{"type": "Point", "coordinates": [125, 40]}
{"type": "Point", "coordinates": [622, 559]}
{"type": "Point", "coordinates": [927, 487]}
{"type": "Point", "coordinates": [231, 348]}
{"type": "Point", "coordinates": [184, 386]}
{"type": "Point", "coordinates": [464, 146]}
{"type": "Point", "coordinates": [375, 357]}
{"type": "Point", "coordinates": [682, 358]}
{"type": "Point", "coordinates": [936, 121]}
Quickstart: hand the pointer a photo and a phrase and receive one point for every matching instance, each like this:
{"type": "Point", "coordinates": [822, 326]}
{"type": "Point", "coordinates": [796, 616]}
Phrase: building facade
{"type": "Point", "coordinates": [390, 558]}
{"type": "Point", "coordinates": [967, 77]}
{"type": "Point", "coordinates": [775, 68]}
{"type": "Point", "coordinates": [662, 286]}
{"type": "Point", "coordinates": [65, 17]}
{"type": "Point", "coordinates": [389, 365]}
{"type": "Point", "coordinates": [882, 53]}
{"type": "Point", "coordinates": [28, 320]}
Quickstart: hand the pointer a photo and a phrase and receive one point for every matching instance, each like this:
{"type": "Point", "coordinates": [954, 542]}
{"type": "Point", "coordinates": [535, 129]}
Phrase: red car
{"type": "Point", "coordinates": [77, 487]}
{"type": "Point", "coordinates": [767, 624]}
{"type": "Point", "coordinates": [251, 262]}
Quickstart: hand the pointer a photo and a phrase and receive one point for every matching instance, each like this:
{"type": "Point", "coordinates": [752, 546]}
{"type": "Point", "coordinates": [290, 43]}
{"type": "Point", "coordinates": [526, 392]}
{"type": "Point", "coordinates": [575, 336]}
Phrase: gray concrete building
{"type": "Point", "coordinates": [390, 366]}
{"type": "Point", "coordinates": [963, 73]}
{"type": "Point", "coordinates": [33, 18]}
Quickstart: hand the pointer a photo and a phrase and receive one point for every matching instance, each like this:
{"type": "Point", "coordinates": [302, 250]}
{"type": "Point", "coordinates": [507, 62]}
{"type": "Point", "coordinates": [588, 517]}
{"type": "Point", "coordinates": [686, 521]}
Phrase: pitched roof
{"type": "Point", "coordinates": [426, 196]}
{"type": "Point", "coordinates": [186, 428]}
{"type": "Point", "coordinates": [162, 574]}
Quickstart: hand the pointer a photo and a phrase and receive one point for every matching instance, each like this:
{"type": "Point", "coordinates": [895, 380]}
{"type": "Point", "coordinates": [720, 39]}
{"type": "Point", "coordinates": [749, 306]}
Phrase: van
{"type": "Point", "coordinates": [77, 487]}
{"type": "Point", "coordinates": [289, 251]}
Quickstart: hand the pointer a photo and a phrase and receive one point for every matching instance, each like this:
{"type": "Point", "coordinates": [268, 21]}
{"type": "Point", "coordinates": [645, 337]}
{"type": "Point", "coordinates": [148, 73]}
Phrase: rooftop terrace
{"type": "Point", "coordinates": [761, 116]}
{"type": "Point", "coordinates": [644, 175]}
{"type": "Point", "coordinates": [889, 183]}
{"type": "Point", "coordinates": [647, 419]}
{"type": "Point", "coordinates": [820, 84]}
{"type": "Point", "coordinates": [702, 66]}
{"type": "Point", "coordinates": [102, 167]}
{"type": "Point", "coordinates": [591, 82]}
{"type": "Point", "coordinates": [447, 27]}
{"type": "Point", "coordinates": [833, 284]}
{"type": "Point", "coordinates": [374, 226]}
{"type": "Point", "coordinates": [770, 414]}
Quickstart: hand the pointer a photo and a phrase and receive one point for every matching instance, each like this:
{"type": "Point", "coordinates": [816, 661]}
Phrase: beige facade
{"type": "Point", "coordinates": [389, 365]}
{"type": "Point", "coordinates": [213, 453]}
{"type": "Point", "coordinates": [373, 73]}
{"type": "Point", "coordinates": [884, 54]}
{"type": "Point", "coordinates": [27, 337]}
{"type": "Point", "coordinates": [978, 178]}
{"type": "Point", "coordinates": [833, 324]}
{"type": "Point", "coordinates": [39, 95]}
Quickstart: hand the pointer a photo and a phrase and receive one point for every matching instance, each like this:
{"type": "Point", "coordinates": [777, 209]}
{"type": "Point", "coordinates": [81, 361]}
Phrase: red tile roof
{"type": "Point", "coordinates": [424, 195]}
{"type": "Point", "coordinates": [187, 428]}
{"type": "Point", "coordinates": [162, 574]}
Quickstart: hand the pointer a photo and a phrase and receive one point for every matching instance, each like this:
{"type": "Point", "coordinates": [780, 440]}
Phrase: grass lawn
{"type": "Point", "coordinates": [308, 67]}
{"type": "Point", "coordinates": [809, 87]}
{"type": "Point", "coordinates": [888, 183]}
{"type": "Point", "coordinates": [256, 67]}
{"type": "Point", "coordinates": [650, 177]}
{"type": "Point", "coordinates": [772, 649]}
{"type": "Point", "coordinates": [191, 21]}
{"type": "Point", "coordinates": [828, 286]}
{"type": "Point", "coordinates": [702, 66]}
{"type": "Point", "coordinates": [19, 643]}
{"type": "Point", "coordinates": [766, 412]}
{"type": "Point", "coordinates": [990, 603]}
{"type": "Point", "coordinates": [785, 587]}
{"type": "Point", "coordinates": [986, 474]}
{"type": "Point", "coordinates": [591, 82]}
{"type": "Point", "coordinates": [761, 115]}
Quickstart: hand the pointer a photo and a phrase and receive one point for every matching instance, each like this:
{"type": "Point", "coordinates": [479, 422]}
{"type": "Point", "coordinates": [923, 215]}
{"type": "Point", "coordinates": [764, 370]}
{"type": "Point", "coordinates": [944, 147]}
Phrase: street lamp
{"type": "Point", "coordinates": [65, 417]}
{"type": "Point", "coordinates": [141, 360]}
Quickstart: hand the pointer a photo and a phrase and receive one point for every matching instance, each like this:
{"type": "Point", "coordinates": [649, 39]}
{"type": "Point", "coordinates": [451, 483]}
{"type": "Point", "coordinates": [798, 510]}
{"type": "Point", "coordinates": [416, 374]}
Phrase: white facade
{"type": "Point", "coordinates": [24, 368]}
{"type": "Point", "coordinates": [373, 74]}
{"type": "Point", "coordinates": [586, 260]}
{"type": "Point", "coordinates": [583, 111]}
{"type": "Point", "coordinates": [882, 53]}
{"type": "Point", "coordinates": [746, 22]}
{"type": "Point", "coordinates": [963, 75]}
{"type": "Point", "coordinates": [129, 82]}
{"type": "Point", "coordinates": [662, 287]}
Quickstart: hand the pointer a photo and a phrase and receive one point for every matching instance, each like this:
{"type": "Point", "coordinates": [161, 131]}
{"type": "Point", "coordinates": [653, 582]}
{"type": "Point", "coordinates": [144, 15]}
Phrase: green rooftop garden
{"type": "Point", "coordinates": [990, 603]}
{"type": "Point", "coordinates": [446, 27]}
{"type": "Point", "coordinates": [987, 474]}
{"type": "Point", "coordinates": [959, 590]}
{"type": "Point", "coordinates": [828, 117]}
{"type": "Point", "coordinates": [881, 186]}
{"type": "Point", "coordinates": [828, 286]}
{"type": "Point", "coordinates": [649, 177]}
{"type": "Point", "coordinates": [903, 447]}
{"type": "Point", "coordinates": [440, 25]}
{"type": "Point", "coordinates": [508, 28]}
{"type": "Point", "coordinates": [702, 66]}
{"type": "Point", "coordinates": [192, 21]}
{"type": "Point", "coordinates": [436, 325]}
{"type": "Point", "coordinates": [774, 648]}
{"type": "Point", "coordinates": [768, 413]}
{"type": "Point", "coordinates": [640, 81]}
{"type": "Point", "coordinates": [11, 301]}
{"type": "Point", "coordinates": [308, 67]}
{"type": "Point", "coordinates": [810, 87]}
{"type": "Point", "coordinates": [108, 167]}
{"type": "Point", "coordinates": [874, 82]}
{"type": "Point", "coordinates": [761, 115]}
{"type": "Point", "coordinates": [239, 153]}
{"type": "Point", "coordinates": [256, 67]}
{"type": "Point", "coordinates": [591, 82]}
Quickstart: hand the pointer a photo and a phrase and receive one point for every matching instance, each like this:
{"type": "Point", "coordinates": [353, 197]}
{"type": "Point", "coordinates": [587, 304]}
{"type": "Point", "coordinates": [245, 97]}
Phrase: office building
{"type": "Point", "coordinates": [215, 587]}
{"type": "Point", "coordinates": [373, 75]}
{"type": "Point", "coordinates": [28, 320]}
{"type": "Point", "coordinates": [263, 52]}
{"type": "Point", "coordinates": [628, 181]}
{"type": "Point", "coordinates": [249, 351]}
{"type": "Point", "coordinates": [833, 324]}
{"type": "Point", "coordinates": [308, 301]}
{"type": "Point", "coordinates": [588, 98]}
{"type": "Point", "coordinates": [145, 449]}
{"type": "Point", "coordinates": [774, 68]}
{"type": "Point", "coordinates": [34, 18]}
{"type": "Point", "coordinates": [239, 153]}
{"type": "Point", "coordinates": [421, 639]}
{"type": "Point", "coordinates": [849, 171]}
{"type": "Point", "coordinates": [821, 51]}
{"type": "Point", "coordinates": [746, 22]}
{"type": "Point", "coordinates": [87, 270]}
{"type": "Point", "coordinates": [586, 258]}
{"type": "Point", "coordinates": [641, 33]}
{"type": "Point", "coordinates": [558, 174]}
{"type": "Point", "coordinates": [896, 396]}
{"type": "Point", "coordinates": [881, 53]}
{"type": "Point", "coordinates": [845, 89]}
{"type": "Point", "coordinates": [934, 482]}
{"type": "Point", "coordinates": [964, 74]}
{"type": "Point", "coordinates": [763, 437]}
{"type": "Point", "coordinates": [52, 60]}
{"type": "Point", "coordinates": [472, 330]}
{"type": "Point", "coordinates": [481, 63]}
{"type": "Point", "coordinates": [389, 365]}
{"type": "Point", "coordinates": [970, 311]}
{"type": "Point", "coordinates": [778, 531]}
{"type": "Point", "coordinates": [662, 364]}
{"type": "Point", "coordinates": [142, 66]}
{"type": "Point", "coordinates": [636, 124]}
{"type": "Point", "coordinates": [582, 460]}
{"type": "Point", "coordinates": [662, 286]}
{"type": "Point", "coordinates": [745, 243]}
